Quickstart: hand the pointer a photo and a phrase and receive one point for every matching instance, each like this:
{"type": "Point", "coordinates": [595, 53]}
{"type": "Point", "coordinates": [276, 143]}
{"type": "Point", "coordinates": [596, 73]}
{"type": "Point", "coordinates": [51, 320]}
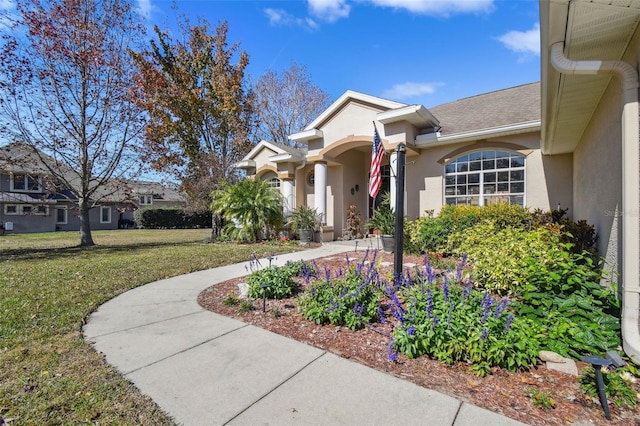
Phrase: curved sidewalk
{"type": "Point", "coordinates": [206, 369]}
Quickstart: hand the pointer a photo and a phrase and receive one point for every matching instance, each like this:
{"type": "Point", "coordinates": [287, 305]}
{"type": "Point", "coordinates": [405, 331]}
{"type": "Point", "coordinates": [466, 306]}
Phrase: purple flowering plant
{"type": "Point", "coordinates": [451, 322]}
{"type": "Point", "coordinates": [351, 298]}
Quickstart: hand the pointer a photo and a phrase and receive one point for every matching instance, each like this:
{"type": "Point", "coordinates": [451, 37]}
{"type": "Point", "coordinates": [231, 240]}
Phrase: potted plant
{"type": "Point", "coordinates": [384, 220]}
{"type": "Point", "coordinates": [304, 220]}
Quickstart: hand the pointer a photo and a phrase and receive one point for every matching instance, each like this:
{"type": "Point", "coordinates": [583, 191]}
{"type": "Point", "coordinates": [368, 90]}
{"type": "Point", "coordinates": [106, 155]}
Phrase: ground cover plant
{"type": "Point", "coordinates": [529, 393]}
{"type": "Point", "coordinates": [49, 286]}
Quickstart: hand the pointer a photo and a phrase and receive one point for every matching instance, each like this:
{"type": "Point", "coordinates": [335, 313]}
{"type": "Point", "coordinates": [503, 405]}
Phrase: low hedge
{"type": "Point", "coordinates": [170, 218]}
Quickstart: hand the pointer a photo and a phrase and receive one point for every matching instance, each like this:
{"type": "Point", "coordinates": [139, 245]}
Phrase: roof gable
{"type": "Point", "coordinates": [347, 98]}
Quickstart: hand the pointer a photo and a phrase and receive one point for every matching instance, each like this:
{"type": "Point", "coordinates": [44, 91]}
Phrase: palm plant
{"type": "Point", "coordinates": [251, 208]}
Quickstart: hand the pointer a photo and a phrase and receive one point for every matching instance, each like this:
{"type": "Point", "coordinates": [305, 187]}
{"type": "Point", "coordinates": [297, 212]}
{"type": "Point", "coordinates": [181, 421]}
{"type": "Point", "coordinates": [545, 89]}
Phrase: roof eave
{"type": "Point", "coordinates": [417, 115]}
{"type": "Point", "coordinates": [307, 135]}
{"type": "Point", "coordinates": [436, 139]}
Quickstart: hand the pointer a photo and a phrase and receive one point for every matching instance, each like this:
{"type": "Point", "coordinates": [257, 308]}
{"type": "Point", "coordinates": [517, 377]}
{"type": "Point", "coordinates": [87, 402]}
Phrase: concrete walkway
{"type": "Point", "coordinates": [207, 369]}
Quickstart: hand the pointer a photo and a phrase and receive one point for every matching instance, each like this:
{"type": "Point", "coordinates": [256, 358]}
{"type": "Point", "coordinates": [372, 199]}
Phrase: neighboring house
{"type": "Point", "coordinates": [476, 151]}
{"type": "Point", "coordinates": [30, 200]}
{"type": "Point", "coordinates": [590, 52]}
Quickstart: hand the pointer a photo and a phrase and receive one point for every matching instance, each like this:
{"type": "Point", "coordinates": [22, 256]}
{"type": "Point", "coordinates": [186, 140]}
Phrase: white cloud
{"type": "Point", "coordinates": [410, 90]}
{"type": "Point", "coordinates": [329, 10]}
{"type": "Point", "coordinates": [443, 8]}
{"type": "Point", "coordinates": [280, 17]}
{"type": "Point", "coordinates": [525, 42]}
{"type": "Point", "coordinates": [145, 8]}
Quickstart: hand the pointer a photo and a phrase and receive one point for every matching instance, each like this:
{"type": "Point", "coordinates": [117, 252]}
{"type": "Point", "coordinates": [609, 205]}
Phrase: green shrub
{"type": "Point", "coordinates": [505, 215]}
{"type": "Point", "coordinates": [170, 218]}
{"type": "Point", "coordinates": [430, 234]}
{"type": "Point", "coordinates": [499, 256]}
{"type": "Point", "coordinates": [427, 234]}
{"type": "Point", "coordinates": [564, 296]}
{"type": "Point", "coordinates": [279, 281]}
{"type": "Point", "coordinates": [451, 322]}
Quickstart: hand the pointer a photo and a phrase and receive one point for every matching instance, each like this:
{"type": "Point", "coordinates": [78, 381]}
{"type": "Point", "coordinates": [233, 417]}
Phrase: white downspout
{"type": "Point", "coordinates": [630, 185]}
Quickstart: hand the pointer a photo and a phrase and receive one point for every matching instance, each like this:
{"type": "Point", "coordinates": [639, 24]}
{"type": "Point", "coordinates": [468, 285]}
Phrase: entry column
{"type": "Point", "coordinates": [320, 189]}
{"type": "Point", "coordinates": [287, 195]}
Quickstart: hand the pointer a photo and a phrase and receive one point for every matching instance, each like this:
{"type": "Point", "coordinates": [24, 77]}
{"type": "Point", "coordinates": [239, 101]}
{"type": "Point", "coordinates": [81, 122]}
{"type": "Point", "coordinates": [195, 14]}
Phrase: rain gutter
{"type": "Point", "coordinates": [630, 184]}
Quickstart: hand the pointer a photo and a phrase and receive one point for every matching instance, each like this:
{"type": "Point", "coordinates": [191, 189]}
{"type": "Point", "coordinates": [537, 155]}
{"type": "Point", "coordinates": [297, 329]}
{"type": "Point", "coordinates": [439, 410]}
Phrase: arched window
{"type": "Point", "coordinates": [272, 178]}
{"type": "Point", "coordinates": [485, 177]}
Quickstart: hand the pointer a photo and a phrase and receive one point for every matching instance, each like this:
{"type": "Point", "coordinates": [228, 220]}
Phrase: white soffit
{"type": "Point", "coordinates": [598, 30]}
{"type": "Point", "coordinates": [417, 115]}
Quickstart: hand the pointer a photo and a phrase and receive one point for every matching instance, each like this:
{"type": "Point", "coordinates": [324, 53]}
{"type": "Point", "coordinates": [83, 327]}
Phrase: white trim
{"type": "Point", "coordinates": [245, 164]}
{"type": "Point", "coordinates": [101, 217]}
{"type": "Point", "coordinates": [434, 139]}
{"type": "Point", "coordinates": [26, 177]}
{"type": "Point", "coordinates": [307, 135]}
{"type": "Point", "coordinates": [17, 212]}
{"type": "Point", "coordinates": [282, 158]}
{"type": "Point", "coordinates": [417, 115]}
{"type": "Point", "coordinates": [35, 210]}
{"type": "Point", "coordinates": [66, 215]}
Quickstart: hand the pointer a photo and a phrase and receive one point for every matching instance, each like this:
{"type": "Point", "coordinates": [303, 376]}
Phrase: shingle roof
{"type": "Point", "coordinates": [291, 150]}
{"type": "Point", "coordinates": [514, 105]}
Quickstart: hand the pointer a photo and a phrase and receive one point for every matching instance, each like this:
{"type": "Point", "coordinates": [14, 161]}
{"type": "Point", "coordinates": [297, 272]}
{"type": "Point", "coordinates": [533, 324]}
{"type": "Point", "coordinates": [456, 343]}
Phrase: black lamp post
{"type": "Point", "coordinates": [401, 150]}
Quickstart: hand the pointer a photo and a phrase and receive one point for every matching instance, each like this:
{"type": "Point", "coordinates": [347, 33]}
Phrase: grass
{"type": "Point", "coordinates": [49, 286]}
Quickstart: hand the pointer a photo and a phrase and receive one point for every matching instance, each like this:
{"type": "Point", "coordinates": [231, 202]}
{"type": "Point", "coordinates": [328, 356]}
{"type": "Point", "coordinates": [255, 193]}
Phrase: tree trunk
{"type": "Point", "coordinates": [85, 226]}
{"type": "Point", "coordinates": [216, 227]}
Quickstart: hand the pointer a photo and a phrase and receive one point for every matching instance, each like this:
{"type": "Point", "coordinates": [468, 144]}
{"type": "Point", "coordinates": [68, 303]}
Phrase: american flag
{"type": "Point", "coordinates": [377, 154]}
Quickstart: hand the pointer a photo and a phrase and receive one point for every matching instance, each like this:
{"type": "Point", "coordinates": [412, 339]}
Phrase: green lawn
{"type": "Point", "coordinates": [48, 288]}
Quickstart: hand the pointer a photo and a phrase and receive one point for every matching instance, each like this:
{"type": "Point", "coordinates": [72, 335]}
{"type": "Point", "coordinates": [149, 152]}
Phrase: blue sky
{"type": "Point", "coordinates": [413, 51]}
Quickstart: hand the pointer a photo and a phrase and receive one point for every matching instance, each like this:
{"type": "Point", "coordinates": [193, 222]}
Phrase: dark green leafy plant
{"type": "Point", "coordinates": [304, 218]}
{"type": "Point", "coordinates": [383, 219]}
{"type": "Point", "coordinates": [278, 280]}
{"type": "Point", "coordinates": [579, 316]}
{"type": "Point", "coordinates": [251, 208]}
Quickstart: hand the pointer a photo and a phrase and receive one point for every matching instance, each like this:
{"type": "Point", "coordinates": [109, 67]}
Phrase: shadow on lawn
{"type": "Point", "coordinates": [65, 252]}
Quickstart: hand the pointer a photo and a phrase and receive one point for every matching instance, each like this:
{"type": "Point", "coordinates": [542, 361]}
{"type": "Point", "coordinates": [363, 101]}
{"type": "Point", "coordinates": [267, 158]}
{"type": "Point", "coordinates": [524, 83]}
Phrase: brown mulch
{"type": "Point", "coordinates": [502, 391]}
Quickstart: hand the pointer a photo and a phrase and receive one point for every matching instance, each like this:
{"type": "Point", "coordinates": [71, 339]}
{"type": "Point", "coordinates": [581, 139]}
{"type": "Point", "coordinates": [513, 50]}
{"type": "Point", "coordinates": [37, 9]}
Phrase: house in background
{"type": "Point", "coordinates": [590, 52]}
{"type": "Point", "coordinates": [30, 200]}
{"type": "Point", "coordinates": [476, 151]}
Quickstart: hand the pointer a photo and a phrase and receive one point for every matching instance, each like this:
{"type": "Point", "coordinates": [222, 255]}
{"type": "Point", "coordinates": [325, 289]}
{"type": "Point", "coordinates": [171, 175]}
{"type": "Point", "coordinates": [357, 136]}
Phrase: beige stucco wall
{"type": "Point", "coordinates": [597, 170]}
{"type": "Point", "coordinates": [263, 155]}
{"type": "Point", "coordinates": [548, 180]}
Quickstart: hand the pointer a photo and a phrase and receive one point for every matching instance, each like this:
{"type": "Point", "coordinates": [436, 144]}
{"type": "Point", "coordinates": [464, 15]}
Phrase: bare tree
{"type": "Point", "coordinates": [287, 102]}
{"type": "Point", "coordinates": [66, 82]}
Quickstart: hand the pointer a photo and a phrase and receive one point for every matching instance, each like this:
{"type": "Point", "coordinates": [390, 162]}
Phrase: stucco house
{"type": "Point", "coordinates": [30, 200]}
{"type": "Point", "coordinates": [477, 151]}
{"type": "Point", "coordinates": [590, 52]}
{"type": "Point", "coordinates": [569, 141]}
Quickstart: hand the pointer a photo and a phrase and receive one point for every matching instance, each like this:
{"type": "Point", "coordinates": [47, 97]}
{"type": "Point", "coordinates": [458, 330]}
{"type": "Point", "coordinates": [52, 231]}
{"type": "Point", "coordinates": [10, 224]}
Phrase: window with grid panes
{"type": "Point", "coordinates": [485, 177]}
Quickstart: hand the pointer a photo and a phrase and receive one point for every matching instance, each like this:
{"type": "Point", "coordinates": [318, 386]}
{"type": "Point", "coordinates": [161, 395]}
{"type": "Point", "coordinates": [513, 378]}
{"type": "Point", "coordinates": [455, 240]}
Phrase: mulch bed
{"type": "Point", "coordinates": [502, 391]}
